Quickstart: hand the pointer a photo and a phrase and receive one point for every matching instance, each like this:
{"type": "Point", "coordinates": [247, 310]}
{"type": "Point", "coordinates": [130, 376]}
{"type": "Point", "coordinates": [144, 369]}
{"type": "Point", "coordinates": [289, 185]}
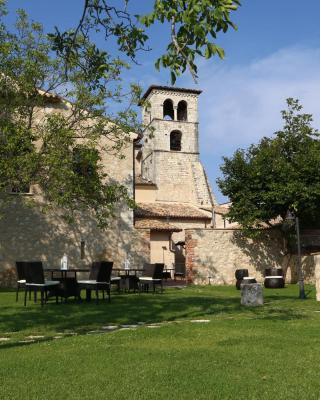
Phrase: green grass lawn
{"type": "Point", "coordinates": [270, 352]}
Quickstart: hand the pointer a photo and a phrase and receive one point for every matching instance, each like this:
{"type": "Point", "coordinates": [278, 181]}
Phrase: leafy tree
{"type": "Point", "coordinates": [42, 149]}
{"type": "Point", "coordinates": [279, 174]}
{"type": "Point", "coordinates": [38, 147]}
{"type": "Point", "coordinates": [193, 27]}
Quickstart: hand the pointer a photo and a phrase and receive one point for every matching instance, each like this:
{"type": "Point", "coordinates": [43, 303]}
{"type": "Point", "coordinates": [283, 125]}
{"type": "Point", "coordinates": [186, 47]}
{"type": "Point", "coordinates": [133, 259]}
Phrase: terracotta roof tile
{"type": "Point", "coordinates": [156, 225]}
{"type": "Point", "coordinates": [172, 210]}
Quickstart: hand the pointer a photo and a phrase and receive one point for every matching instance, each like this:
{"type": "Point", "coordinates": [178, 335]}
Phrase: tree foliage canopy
{"type": "Point", "coordinates": [44, 148]}
{"type": "Point", "coordinates": [38, 147]}
{"type": "Point", "coordinates": [279, 174]}
{"type": "Point", "coordinates": [193, 29]}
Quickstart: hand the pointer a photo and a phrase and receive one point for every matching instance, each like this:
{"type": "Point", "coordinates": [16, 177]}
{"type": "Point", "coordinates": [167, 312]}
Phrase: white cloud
{"type": "Point", "coordinates": [242, 103]}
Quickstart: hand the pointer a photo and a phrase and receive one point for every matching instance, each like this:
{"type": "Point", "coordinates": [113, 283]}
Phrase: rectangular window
{"type": "Point", "coordinates": [85, 161]}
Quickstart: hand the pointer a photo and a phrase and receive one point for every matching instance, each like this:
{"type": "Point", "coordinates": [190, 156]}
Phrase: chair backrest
{"type": "Point", "coordinates": [158, 271]}
{"type": "Point", "coordinates": [34, 272]}
{"type": "Point", "coordinates": [101, 271]}
{"type": "Point", "coordinates": [154, 271]}
{"type": "Point", "coordinates": [21, 270]}
{"type": "Point", "coordinates": [148, 269]}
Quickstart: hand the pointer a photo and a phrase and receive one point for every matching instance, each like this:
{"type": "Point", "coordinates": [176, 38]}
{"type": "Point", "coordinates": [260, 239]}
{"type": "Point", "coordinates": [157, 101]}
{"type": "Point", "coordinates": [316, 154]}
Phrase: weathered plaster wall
{"type": "Point", "coordinates": [158, 254]}
{"type": "Point", "coordinates": [145, 194]}
{"type": "Point", "coordinates": [218, 253]}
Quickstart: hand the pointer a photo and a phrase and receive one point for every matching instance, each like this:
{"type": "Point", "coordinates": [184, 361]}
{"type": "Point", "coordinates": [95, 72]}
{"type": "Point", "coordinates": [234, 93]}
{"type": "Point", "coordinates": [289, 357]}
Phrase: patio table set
{"type": "Point", "coordinates": [64, 283]}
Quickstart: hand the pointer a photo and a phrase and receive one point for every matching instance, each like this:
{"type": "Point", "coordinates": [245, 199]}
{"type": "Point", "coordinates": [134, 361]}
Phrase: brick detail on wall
{"type": "Point", "coordinates": [191, 244]}
{"type": "Point", "coordinates": [213, 255]}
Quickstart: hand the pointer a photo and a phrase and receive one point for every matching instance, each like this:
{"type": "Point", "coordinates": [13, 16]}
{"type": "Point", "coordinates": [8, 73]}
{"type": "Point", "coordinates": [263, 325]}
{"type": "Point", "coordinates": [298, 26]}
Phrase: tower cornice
{"type": "Point", "coordinates": [170, 90]}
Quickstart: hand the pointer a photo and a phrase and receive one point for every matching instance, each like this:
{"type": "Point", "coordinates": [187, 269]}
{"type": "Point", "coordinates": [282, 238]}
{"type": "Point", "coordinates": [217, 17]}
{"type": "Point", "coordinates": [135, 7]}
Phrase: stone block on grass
{"type": "Point", "coordinates": [251, 294]}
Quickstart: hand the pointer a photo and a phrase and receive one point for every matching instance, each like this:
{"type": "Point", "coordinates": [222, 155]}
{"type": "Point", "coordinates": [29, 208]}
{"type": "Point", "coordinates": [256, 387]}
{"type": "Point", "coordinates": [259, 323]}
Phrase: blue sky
{"type": "Point", "coordinates": [275, 54]}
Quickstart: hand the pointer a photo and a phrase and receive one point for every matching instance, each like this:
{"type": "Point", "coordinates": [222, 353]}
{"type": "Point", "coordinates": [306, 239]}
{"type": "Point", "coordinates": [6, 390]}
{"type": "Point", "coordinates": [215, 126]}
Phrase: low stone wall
{"type": "Point", "coordinates": [213, 255]}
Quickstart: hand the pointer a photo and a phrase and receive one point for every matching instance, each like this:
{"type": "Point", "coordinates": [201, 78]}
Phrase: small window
{"type": "Point", "coordinates": [168, 112]}
{"type": "Point", "coordinates": [175, 140]}
{"type": "Point", "coordinates": [182, 112]}
{"type": "Point", "coordinates": [85, 161]}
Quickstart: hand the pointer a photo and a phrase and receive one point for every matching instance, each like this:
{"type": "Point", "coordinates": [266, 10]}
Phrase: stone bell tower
{"type": "Point", "coordinates": [170, 153]}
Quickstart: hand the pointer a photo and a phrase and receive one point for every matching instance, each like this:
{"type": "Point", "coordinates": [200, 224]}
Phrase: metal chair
{"type": "Point", "coordinates": [35, 281]}
{"type": "Point", "coordinates": [152, 275]}
{"type": "Point", "coordinates": [116, 280]}
{"type": "Point", "coordinates": [21, 275]}
{"type": "Point", "coordinates": [99, 279]}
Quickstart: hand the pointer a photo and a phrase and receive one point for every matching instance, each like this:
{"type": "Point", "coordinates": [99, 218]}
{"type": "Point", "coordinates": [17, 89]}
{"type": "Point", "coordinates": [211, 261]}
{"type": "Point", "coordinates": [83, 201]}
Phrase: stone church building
{"type": "Point", "coordinates": [177, 220]}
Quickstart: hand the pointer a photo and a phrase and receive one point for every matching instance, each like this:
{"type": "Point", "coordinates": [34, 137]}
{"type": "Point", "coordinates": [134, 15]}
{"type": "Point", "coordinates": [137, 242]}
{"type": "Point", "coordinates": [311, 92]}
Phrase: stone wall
{"type": "Point", "coordinates": [27, 234]}
{"type": "Point", "coordinates": [217, 253]}
{"type": "Point", "coordinates": [186, 224]}
{"type": "Point", "coordinates": [179, 177]}
{"type": "Point", "coordinates": [160, 135]}
{"type": "Point", "coordinates": [174, 177]}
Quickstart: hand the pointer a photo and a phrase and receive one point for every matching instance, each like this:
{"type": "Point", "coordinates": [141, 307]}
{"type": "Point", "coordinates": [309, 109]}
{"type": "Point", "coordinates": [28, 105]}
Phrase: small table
{"type": "Point", "coordinates": [129, 277]}
{"type": "Point", "coordinates": [68, 285]}
{"type": "Point", "coordinates": [64, 272]}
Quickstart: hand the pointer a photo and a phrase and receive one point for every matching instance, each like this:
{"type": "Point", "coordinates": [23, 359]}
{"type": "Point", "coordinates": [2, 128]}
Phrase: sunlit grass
{"type": "Point", "coordinates": [241, 353]}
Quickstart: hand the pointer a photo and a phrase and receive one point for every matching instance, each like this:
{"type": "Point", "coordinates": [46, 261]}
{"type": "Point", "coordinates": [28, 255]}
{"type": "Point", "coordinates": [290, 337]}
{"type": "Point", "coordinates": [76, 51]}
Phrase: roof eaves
{"type": "Point", "coordinates": [168, 88]}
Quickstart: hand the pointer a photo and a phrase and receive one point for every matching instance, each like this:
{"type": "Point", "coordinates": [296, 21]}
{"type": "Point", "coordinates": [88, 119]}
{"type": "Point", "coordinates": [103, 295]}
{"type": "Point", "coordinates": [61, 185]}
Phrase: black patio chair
{"type": "Point", "coordinates": [116, 280]}
{"type": "Point", "coordinates": [35, 282]}
{"type": "Point", "coordinates": [165, 274]}
{"type": "Point", "coordinates": [179, 270]}
{"type": "Point", "coordinates": [99, 279]}
{"type": "Point", "coordinates": [21, 276]}
{"type": "Point", "coordinates": [151, 275]}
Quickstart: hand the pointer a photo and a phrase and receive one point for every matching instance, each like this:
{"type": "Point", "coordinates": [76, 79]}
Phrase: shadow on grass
{"type": "Point", "coordinates": [133, 308]}
{"type": "Point", "coordinates": [123, 309]}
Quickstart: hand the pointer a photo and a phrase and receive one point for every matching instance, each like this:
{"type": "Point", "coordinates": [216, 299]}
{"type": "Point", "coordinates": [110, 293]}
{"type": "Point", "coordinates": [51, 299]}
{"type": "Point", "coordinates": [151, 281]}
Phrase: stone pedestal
{"type": "Point", "coordinates": [251, 294]}
{"type": "Point", "coordinates": [316, 258]}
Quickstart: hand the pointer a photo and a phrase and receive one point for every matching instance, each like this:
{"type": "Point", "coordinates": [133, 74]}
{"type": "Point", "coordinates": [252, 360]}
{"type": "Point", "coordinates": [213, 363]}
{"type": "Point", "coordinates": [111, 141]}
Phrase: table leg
{"type": "Point", "coordinates": [88, 294]}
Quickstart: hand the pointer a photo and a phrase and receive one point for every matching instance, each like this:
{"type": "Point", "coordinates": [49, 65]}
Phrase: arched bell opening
{"type": "Point", "coordinates": [182, 112]}
{"type": "Point", "coordinates": [168, 112]}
